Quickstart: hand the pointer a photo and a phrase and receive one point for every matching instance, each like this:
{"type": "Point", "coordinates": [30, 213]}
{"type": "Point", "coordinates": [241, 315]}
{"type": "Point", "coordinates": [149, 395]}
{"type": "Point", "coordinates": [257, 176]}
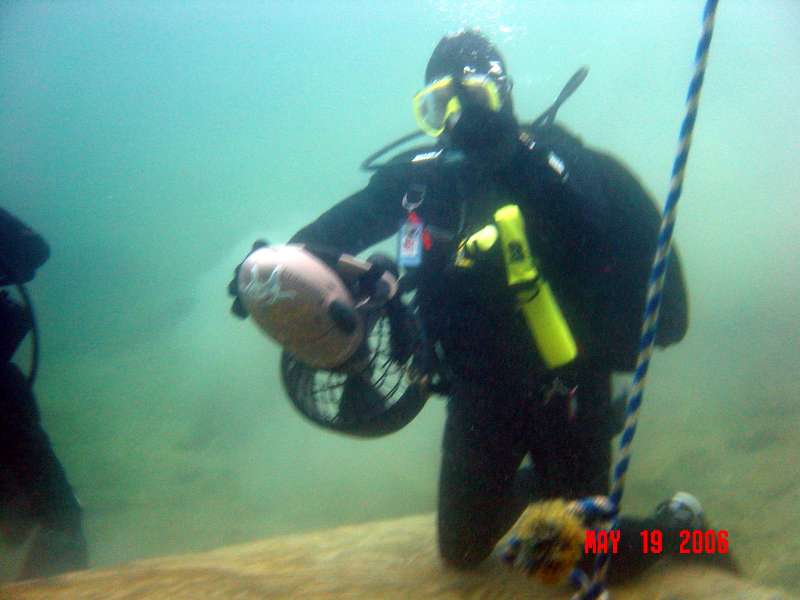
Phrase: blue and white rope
{"type": "Point", "coordinates": [595, 587]}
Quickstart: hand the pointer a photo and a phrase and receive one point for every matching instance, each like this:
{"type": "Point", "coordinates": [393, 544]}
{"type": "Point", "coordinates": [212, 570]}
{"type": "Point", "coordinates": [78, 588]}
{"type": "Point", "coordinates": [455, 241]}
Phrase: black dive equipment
{"type": "Point", "coordinates": [379, 397]}
{"type": "Point", "coordinates": [18, 320]}
{"type": "Point", "coordinates": [351, 359]}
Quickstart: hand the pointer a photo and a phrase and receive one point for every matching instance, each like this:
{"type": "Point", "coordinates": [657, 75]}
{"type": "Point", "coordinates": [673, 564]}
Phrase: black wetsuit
{"type": "Point", "coordinates": [33, 485]}
{"type": "Point", "coordinates": [593, 229]}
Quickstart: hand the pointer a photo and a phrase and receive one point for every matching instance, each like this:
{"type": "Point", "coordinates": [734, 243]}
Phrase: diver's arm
{"type": "Point", "coordinates": [361, 220]}
{"type": "Point", "coordinates": [352, 225]}
{"type": "Point", "coordinates": [22, 250]}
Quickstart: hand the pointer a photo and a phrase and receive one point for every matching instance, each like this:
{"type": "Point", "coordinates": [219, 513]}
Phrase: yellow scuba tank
{"type": "Point", "coordinates": [547, 325]}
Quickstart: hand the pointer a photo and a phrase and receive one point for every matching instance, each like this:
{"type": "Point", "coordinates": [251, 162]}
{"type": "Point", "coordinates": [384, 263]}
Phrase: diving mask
{"type": "Point", "coordinates": [439, 101]}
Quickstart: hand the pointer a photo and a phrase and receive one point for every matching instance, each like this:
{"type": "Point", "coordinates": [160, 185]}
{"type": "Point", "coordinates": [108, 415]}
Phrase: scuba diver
{"type": "Point", "coordinates": [529, 254]}
{"type": "Point", "coordinates": [35, 495]}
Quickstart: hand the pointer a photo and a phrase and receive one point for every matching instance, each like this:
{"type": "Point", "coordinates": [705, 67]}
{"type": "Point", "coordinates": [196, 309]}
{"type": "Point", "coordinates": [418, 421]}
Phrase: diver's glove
{"type": "Point", "coordinates": [237, 308]}
{"type": "Point", "coordinates": [480, 267]}
{"type": "Point", "coordinates": [404, 335]}
{"type": "Point", "coordinates": [561, 391]}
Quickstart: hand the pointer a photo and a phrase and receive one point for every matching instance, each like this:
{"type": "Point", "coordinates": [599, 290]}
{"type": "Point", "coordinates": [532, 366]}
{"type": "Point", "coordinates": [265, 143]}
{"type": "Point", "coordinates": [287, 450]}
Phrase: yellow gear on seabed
{"type": "Point", "coordinates": [547, 325]}
{"type": "Point", "coordinates": [547, 540]}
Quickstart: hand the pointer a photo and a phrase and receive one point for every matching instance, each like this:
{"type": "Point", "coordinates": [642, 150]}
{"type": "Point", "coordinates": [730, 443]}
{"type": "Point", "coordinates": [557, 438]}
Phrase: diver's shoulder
{"type": "Point", "coordinates": [553, 133]}
{"type": "Point", "coordinates": [556, 144]}
{"type": "Point", "coordinates": [416, 165]}
{"type": "Point", "coordinates": [416, 156]}
{"type": "Point", "coordinates": [555, 139]}
{"type": "Point", "coordinates": [593, 172]}
{"type": "Point", "coordinates": [572, 149]}
{"type": "Point", "coordinates": [550, 152]}
{"type": "Point", "coordinates": [409, 161]}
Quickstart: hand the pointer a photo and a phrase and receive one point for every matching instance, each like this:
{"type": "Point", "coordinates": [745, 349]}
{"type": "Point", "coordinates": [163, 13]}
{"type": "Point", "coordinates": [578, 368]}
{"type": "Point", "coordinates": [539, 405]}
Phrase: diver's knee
{"type": "Point", "coordinates": [463, 557]}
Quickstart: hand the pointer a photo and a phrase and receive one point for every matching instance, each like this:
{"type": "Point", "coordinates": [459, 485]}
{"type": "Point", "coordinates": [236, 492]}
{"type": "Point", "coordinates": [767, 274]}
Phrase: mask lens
{"type": "Point", "coordinates": [483, 90]}
{"type": "Point", "coordinates": [439, 101]}
{"type": "Point", "coordinates": [431, 105]}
